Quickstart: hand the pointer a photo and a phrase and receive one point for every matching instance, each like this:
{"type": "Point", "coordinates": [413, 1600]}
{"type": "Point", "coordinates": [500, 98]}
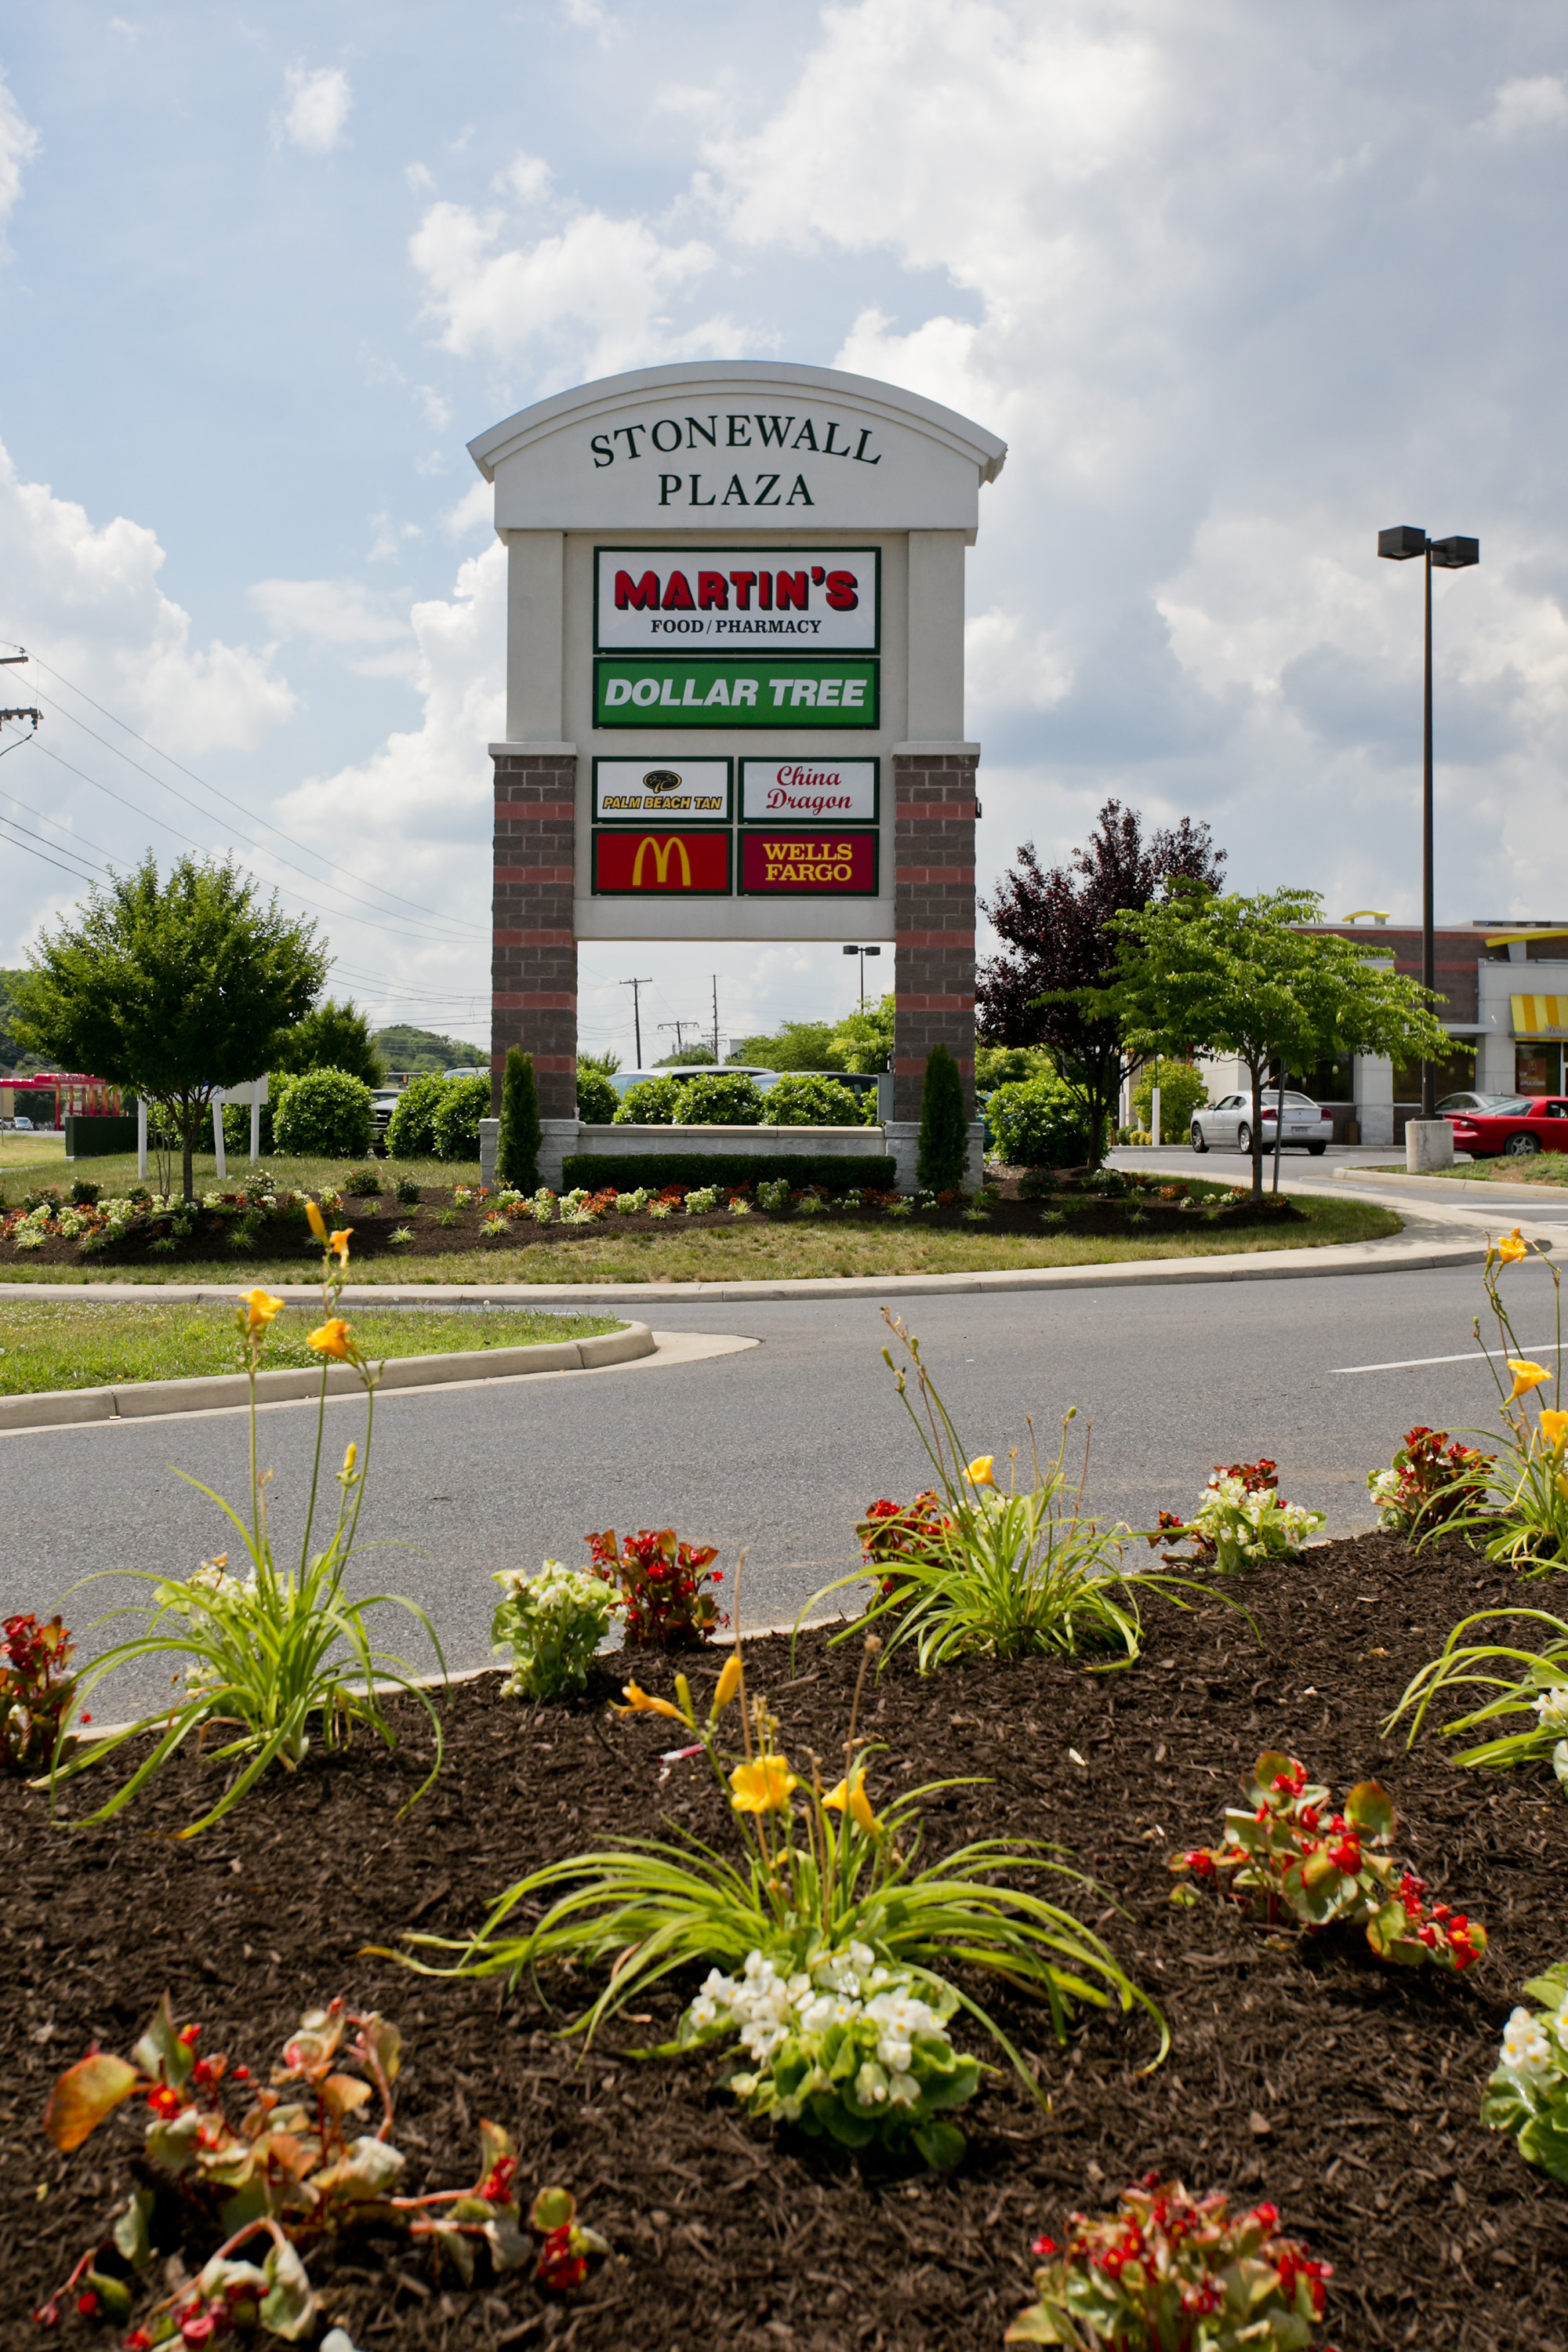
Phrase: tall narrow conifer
{"type": "Point", "coordinates": [517, 1146]}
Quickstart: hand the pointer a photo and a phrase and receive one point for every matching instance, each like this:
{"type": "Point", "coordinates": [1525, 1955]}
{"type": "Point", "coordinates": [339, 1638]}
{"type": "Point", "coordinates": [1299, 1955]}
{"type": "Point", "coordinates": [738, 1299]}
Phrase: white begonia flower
{"type": "Point", "coordinates": [1552, 1707]}
{"type": "Point", "coordinates": [1560, 2023]}
{"type": "Point", "coordinates": [1525, 2048]}
{"type": "Point", "coordinates": [903, 2091]}
{"type": "Point", "coordinates": [870, 2084]}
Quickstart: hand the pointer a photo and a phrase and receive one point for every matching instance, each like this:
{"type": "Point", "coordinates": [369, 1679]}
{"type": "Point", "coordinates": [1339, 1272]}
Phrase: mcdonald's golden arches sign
{"type": "Point", "coordinates": [632, 862]}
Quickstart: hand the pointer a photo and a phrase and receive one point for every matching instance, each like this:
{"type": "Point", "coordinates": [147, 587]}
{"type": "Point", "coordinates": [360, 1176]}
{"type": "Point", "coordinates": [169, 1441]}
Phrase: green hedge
{"type": "Point", "coordinates": [593, 1169]}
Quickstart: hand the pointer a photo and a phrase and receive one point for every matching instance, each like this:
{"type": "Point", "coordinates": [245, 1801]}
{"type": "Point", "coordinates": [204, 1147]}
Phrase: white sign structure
{"type": "Point", "coordinates": [774, 792]}
{"type": "Point", "coordinates": [744, 600]}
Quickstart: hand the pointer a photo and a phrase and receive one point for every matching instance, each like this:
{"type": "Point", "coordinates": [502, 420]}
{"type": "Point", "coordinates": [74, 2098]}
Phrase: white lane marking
{"type": "Point", "coordinates": [1471, 1355]}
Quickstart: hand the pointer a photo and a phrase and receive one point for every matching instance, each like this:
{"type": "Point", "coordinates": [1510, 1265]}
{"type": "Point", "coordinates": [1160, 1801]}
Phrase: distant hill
{"type": "Point", "coordinates": [403, 1048]}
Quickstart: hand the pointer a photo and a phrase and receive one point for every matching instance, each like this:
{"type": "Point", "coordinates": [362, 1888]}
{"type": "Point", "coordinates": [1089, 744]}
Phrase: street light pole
{"type": "Point", "coordinates": [863, 953]}
{"type": "Point", "coordinates": [1451, 554]}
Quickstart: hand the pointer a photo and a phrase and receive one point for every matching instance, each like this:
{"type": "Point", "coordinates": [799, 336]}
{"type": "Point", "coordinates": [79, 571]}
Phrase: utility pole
{"type": "Point", "coordinates": [715, 1016]}
{"type": "Point", "coordinates": [635, 986]}
{"type": "Point", "coordinates": [679, 1028]}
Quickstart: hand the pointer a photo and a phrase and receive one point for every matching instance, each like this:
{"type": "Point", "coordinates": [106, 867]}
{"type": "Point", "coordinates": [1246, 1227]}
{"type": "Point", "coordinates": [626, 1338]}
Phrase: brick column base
{"type": "Point", "coordinates": [933, 919]}
{"type": "Point", "coordinates": [533, 969]}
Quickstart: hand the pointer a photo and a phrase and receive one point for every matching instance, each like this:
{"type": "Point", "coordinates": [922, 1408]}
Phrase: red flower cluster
{"type": "Point", "coordinates": [1438, 1478]}
{"type": "Point", "coordinates": [892, 1532]}
{"type": "Point", "coordinates": [36, 1691]}
{"type": "Point", "coordinates": [561, 2267]}
{"type": "Point", "coordinates": [662, 1583]}
{"type": "Point", "coordinates": [1256, 1477]}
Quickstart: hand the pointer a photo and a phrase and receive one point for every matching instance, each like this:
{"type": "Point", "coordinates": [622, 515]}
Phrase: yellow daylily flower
{"type": "Point", "coordinates": [729, 1683]}
{"type": "Point", "coordinates": [317, 1221]}
{"type": "Point", "coordinates": [1553, 1428]}
{"type": "Point", "coordinates": [858, 1802]}
{"type": "Point", "coordinates": [1513, 1248]}
{"type": "Point", "coordinates": [331, 1339]}
{"type": "Point", "coordinates": [1526, 1376]}
{"type": "Point", "coordinates": [979, 1473]}
{"type": "Point", "coordinates": [763, 1787]}
{"type": "Point", "coordinates": [260, 1307]}
{"type": "Point", "coordinates": [338, 1243]}
{"type": "Point", "coordinates": [639, 1702]}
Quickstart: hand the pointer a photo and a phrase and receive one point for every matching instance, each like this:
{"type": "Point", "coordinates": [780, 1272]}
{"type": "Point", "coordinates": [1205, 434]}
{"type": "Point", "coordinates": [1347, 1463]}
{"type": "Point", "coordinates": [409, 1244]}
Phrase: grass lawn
{"type": "Point", "coordinates": [1541, 1168]}
{"type": "Point", "coordinates": [766, 1253]}
{"type": "Point", "coordinates": [86, 1344]}
{"type": "Point", "coordinates": [24, 1161]}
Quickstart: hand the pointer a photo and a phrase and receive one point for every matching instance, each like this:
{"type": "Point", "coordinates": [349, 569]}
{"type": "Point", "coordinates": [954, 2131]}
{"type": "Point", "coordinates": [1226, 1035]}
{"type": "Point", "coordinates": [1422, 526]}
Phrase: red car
{"type": "Point", "coordinates": [1519, 1125]}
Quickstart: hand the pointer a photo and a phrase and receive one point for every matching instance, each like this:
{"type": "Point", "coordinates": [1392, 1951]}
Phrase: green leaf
{"type": "Point", "coordinates": [510, 2249]}
{"type": "Point", "coordinates": [114, 2295]}
{"type": "Point", "coordinates": [1371, 1809]}
{"type": "Point", "coordinates": [942, 2145]}
{"type": "Point", "coordinates": [552, 2208]}
{"type": "Point", "coordinates": [131, 2238]}
{"type": "Point", "coordinates": [457, 2250]}
{"type": "Point", "coordinates": [84, 2094]}
{"type": "Point", "coordinates": [288, 2308]}
{"type": "Point", "coordinates": [1543, 2143]}
{"type": "Point", "coordinates": [161, 2053]}
{"type": "Point", "coordinates": [1560, 1763]}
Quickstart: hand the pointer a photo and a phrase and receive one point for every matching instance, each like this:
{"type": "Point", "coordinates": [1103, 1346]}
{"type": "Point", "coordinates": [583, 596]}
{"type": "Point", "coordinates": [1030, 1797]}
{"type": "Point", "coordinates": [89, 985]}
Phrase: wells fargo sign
{"type": "Point", "coordinates": [661, 864]}
{"type": "Point", "coordinates": [775, 864]}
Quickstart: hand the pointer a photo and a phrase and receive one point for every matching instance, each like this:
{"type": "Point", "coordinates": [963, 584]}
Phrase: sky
{"type": "Point", "coordinates": [1238, 286]}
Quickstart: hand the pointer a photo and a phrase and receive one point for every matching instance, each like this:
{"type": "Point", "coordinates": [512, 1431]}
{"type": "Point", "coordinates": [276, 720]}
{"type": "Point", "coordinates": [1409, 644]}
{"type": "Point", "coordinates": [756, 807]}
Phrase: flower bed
{"type": "Point", "coordinates": [1304, 2071]}
{"type": "Point", "coordinates": [266, 1221]}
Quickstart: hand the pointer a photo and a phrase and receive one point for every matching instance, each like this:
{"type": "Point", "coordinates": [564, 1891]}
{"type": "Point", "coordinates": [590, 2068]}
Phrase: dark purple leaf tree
{"type": "Point", "coordinates": [1054, 925]}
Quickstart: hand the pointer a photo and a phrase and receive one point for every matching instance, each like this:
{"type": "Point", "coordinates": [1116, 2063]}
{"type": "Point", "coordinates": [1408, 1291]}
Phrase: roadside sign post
{"type": "Point", "coordinates": [735, 690]}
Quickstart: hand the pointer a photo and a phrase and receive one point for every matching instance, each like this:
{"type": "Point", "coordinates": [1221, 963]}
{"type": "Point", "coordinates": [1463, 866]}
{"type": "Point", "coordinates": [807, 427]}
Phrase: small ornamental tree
{"type": "Point", "coordinates": [1243, 976]}
{"type": "Point", "coordinates": [943, 1160]}
{"type": "Point", "coordinates": [517, 1146]}
{"type": "Point", "coordinates": [173, 988]}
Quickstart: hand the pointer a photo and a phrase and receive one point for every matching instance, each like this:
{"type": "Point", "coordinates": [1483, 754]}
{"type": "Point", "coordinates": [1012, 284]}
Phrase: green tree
{"type": "Point", "coordinates": [175, 989]}
{"type": "Point", "coordinates": [1010, 1066]}
{"type": "Point", "coordinates": [1239, 975]}
{"type": "Point", "coordinates": [794, 1046]}
{"type": "Point", "coordinates": [863, 1042]}
{"type": "Point", "coordinates": [943, 1160]}
{"type": "Point", "coordinates": [517, 1145]}
{"type": "Point", "coordinates": [422, 1051]}
{"type": "Point", "coordinates": [332, 1038]}
{"type": "Point", "coordinates": [1182, 1090]}
{"type": "Point", "coordinates": [685, 1056]}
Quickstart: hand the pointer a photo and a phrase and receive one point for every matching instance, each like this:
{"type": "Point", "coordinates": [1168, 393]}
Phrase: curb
{"type": "Point", "coordinates": [1445, 1187]}
{"type": "Point", "coordinates": [141, 1400]}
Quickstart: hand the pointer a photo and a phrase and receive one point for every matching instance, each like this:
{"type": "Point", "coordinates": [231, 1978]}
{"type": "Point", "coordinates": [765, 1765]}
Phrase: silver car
{"type": "Point", "coordinates": [1227, 1125]}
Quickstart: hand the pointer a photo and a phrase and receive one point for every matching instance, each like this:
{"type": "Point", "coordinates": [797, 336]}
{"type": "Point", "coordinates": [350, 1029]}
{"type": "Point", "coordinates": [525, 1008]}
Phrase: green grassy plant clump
{"type": "Point", "coordinates": [287, 1645]}
{"type": "Point", "coordinates": [1288, 1853]}
{"type": "Point", "coordinates": [48, 1344]}
{"type": "Point", "coordinates": [829, 1945]}
{"type": "Point", "coordinates": [1531, 1681]}
{"type": "Point", "coordinates": [272, 2170]}
{"type": "Point", "coordinates": [972, 1570]}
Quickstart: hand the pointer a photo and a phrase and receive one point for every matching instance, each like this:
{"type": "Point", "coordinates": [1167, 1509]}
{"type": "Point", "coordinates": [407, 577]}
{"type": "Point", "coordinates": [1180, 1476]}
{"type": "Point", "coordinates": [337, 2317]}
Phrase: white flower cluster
{"type": "Point", "coordinates": [740, 1208]}
{"type": "Point", "coordinates": [841, 1989]}
{"type": "Point", "coordinates": [773, 1195]}
{"type": "Point", "coordinates": [702, 1202]}
{"type": "Point", "coordinates": [1382, 1486]}
{"type": "Point", "coordinates": [211, 1578]}
{"type": "Point", "coordinates": [462, 1196]}
{"type": "Point", "coordinates": [544, 1205]}
{"type": "Point", "coordinates": [632, 1204]}
{"type": "Point", "coordinates": [1531, 2045]}
{"type": "Point", "coordinates": [1247, 1527]}
{"type": "Point", "coordinates": [1552, 1707]}
{"type": "Point", "coordinates": [551, 1624]}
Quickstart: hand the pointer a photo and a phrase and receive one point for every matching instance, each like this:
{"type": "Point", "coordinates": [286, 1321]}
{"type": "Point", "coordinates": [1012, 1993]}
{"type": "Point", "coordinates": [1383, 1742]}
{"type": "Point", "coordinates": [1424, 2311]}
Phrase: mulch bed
{"type": "Point", "coordinates": [1156, 1208]}
{"type": "Point", "coordinates": [1302, 2070]}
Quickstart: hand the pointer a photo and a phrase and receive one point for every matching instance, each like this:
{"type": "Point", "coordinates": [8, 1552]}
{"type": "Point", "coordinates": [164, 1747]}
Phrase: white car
{"type": "Point", "coordinates": [1227, 1125]}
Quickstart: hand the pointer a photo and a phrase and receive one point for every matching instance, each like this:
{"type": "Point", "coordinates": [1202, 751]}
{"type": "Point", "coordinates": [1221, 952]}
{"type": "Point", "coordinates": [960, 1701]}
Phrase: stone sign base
{"type": "Point", "coordinates": [899, 1139]}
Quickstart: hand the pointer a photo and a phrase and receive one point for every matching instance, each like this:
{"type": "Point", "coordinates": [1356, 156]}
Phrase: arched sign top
{"type": "Point", "coordinates": [738, 446]}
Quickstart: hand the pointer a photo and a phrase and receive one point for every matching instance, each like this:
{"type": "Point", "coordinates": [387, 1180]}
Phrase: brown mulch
{"type": "Point", "coordinates": [374, 1222]}
{"type": "Point", "coordinates": [1302, 2070]}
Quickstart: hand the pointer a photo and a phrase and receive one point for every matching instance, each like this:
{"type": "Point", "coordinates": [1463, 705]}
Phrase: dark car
{"type": "Point", "coordinates": [1517, 1125]}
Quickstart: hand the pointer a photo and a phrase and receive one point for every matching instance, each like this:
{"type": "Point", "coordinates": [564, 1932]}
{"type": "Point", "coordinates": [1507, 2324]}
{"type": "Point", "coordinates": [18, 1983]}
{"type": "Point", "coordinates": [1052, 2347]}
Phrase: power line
{"type": "Point", "coordinates": [266, 823]}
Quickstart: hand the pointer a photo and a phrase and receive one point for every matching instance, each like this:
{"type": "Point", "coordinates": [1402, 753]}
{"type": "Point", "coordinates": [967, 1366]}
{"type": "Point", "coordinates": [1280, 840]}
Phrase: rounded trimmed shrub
{"type": "Point", "coordinates": [721, 1099]}
{"type": "Point", "coordinates": [1182, 1090]}
{"type": "Point", "coordinates": [598, 1101]}
{"type": "Point", "coordinates": [464, 1102]}
{"type": "Point", "coordinates": [806, 1098]}
{"type": "Point", "coordinates": [652, 1102]}
{"type": "Point", "coordinates": [410, 1134]}
{"type": "Point", "coordinates": [323, 1114]}
{"type": "Point", "coordinates": [1038, 1123]}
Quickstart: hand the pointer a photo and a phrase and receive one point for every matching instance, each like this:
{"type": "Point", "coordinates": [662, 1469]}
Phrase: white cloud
{"type": "Point", "coordinates": [19, 142]}
{"type": "Point", "coordinates": [87, 598]}
{"type": "Point", "coordinates": [475, 511]}
{"type": "Point", "coordinates": [526, 177]}
{"type": "Point", "coordinates": [1530, 103]}
{"type": "Point", "coordinates": [328, 612]}
{"type": "Point", "coordinates": [317, 109]}
{"type": "Point", "coordinates": [590, 298]}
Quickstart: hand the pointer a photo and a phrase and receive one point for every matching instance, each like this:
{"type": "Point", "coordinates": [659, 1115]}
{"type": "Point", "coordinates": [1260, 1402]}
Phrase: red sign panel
{"type": "Point", "coordinates": [661, 864]}
{"type": "Point", "coordinates": [808, 864]}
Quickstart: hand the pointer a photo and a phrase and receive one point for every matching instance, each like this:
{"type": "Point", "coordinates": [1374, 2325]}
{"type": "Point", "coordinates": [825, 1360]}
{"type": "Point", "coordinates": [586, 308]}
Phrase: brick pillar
{"type": "Point", "coordinates": [933, 919]}
{"type": "Point", "coordinates": [534, 972]}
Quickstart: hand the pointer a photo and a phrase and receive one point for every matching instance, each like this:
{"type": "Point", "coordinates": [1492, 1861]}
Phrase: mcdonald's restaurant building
{"type": "Point", "coordinates": [1506, 1009]}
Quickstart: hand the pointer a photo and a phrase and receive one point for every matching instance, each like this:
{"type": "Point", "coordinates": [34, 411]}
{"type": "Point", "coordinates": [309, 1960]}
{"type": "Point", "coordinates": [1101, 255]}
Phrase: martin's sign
{"type": "Point", "coordinates": [776, 792]}
{"type": "Point", "coordinates": [726, 600]}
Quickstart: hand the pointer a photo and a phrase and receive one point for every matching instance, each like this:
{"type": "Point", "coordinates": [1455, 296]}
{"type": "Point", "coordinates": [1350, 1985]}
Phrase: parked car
{"type": "Point", "coordinates": [23, 1126]}
{"type": "Point", "coordinates": [1452, 1103]}
{"type": "Point", "coordinates": [383, 1102]}
{"type": "Point", "coordinates": [1516, 1125]}
{"type": "Point", "coordinates": [1227, 1124]}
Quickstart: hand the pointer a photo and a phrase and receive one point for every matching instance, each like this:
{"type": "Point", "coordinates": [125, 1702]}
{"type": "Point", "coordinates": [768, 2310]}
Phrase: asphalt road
{"type": "Point", "coordinates": [780, 1448]}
